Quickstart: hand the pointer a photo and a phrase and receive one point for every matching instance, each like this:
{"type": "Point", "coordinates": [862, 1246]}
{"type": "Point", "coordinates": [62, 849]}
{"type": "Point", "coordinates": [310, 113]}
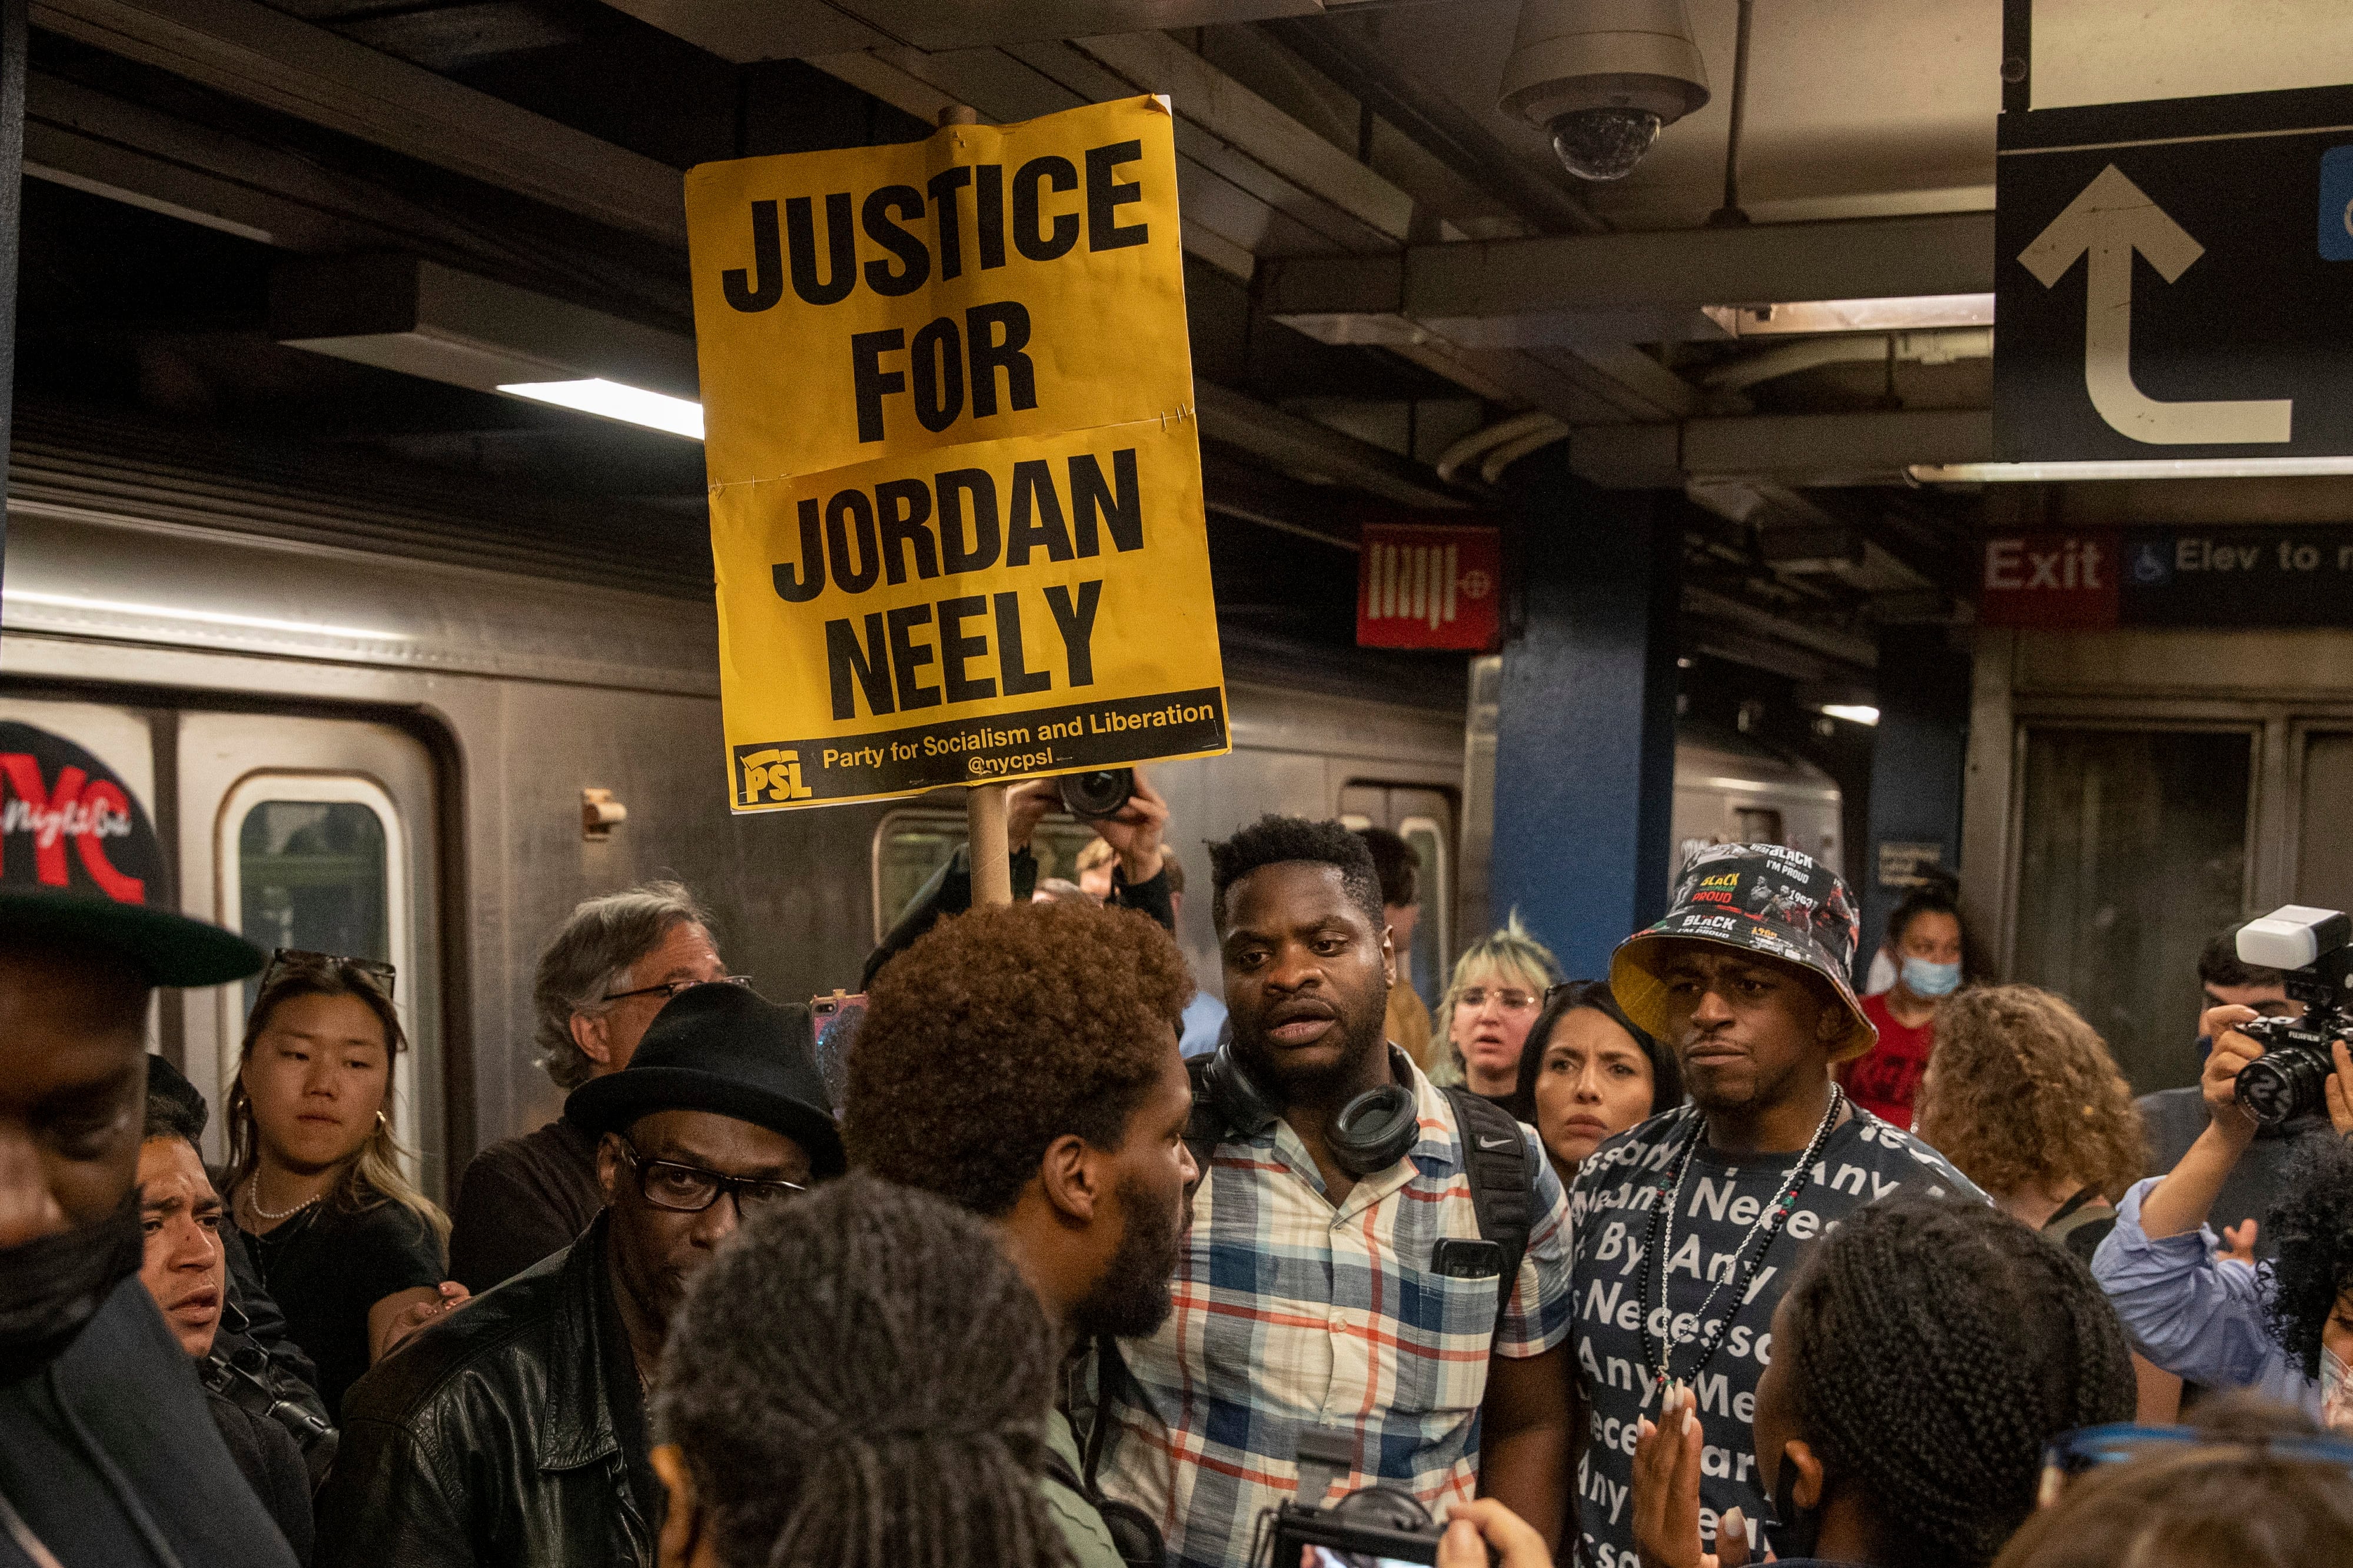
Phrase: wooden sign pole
{"type": "Point", "coordinates": [983, 804]}
{"type": "Point", "coordinates": [984, 816]}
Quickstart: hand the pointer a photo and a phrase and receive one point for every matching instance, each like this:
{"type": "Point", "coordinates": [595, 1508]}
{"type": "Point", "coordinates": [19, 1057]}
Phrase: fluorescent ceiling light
{"type": "Point", "coordinates": [1852, 713]}
{"type": "Point", "coordinates": [2127, 468]}
{"type": "Point", "coordinates": [207, 617]}
{"type": "Point", "coordinates": [610, 399]}
{"type": "Point", "coordinates": [1901, 313]}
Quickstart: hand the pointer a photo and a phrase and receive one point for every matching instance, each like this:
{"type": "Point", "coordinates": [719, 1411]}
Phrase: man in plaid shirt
{"type": "Point", "coordinates": [1307, 1296]}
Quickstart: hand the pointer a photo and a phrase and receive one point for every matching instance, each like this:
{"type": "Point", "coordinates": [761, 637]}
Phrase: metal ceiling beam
{"type": "Point", "coordinates": [1307, 450]}
{"type": "Point", "coordinates": [1431, 122]}
{"type": "Point", "coordinates": [1626, 288]}
{"type": "Point", "coordinates": [1254, 183]}
{"type": "Point", "coordinates": [1869, 448]}
{"type": "Point", "coordinates": [1845, 648]}
{"type": "Point", "coordinates": [251, 52]}
{"type": "Point", "coordinates": [398, 314]}
{"type": "Point", "coordinates": [128, 153]}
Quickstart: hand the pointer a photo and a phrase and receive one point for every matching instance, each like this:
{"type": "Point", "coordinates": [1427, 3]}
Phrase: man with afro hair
{"type": "Point", "coordinates": [1022, 1063]}
{"type": "Point", "coordinates": [1335, 1274]}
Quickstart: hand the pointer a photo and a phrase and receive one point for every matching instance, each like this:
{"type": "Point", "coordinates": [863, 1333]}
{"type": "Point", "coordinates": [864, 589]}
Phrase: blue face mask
{"type": "Point", "coordinates": [1923, 978]}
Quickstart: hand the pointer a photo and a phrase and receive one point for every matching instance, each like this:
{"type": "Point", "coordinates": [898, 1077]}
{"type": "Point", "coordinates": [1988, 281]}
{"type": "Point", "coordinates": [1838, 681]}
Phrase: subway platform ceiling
{"type": "Point", "coordinates": [316, 222]}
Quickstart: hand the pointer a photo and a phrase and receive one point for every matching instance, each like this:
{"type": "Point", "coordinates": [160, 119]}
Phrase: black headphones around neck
{"type": "Point", "coordinates": [1372, 1132]}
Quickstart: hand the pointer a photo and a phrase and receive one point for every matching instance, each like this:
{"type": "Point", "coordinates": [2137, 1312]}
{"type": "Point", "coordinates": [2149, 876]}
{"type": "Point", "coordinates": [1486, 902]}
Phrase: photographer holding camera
{"type": "Point", "coordinates": [1119, 804]}
{"type": "Point", "coordinates": [2283, 1328]}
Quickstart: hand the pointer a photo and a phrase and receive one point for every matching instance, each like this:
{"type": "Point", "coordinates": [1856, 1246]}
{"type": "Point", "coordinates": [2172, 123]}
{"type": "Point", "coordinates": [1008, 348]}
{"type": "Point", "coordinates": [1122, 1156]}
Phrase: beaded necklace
{"type": "Point", "coordinates": [1768, 1223]}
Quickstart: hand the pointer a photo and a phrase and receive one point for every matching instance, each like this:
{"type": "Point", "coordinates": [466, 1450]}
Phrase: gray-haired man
{"type": "Point", "coordinates": [602, 979]}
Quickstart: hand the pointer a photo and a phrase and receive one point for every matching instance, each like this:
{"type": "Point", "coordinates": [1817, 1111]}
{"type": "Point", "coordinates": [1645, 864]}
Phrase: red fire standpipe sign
{"type": "Point", "coordinates": [1429, 586]}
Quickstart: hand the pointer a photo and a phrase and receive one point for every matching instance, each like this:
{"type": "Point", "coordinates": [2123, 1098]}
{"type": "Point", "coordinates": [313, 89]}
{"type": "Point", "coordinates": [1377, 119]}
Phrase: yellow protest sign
{"type": "Point", "coordinates": [955, 477]}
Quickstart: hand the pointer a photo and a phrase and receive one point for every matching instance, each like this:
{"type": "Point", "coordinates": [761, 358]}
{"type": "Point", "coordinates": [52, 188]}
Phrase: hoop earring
{"type": "Point", "coordinates": [379, 1122]}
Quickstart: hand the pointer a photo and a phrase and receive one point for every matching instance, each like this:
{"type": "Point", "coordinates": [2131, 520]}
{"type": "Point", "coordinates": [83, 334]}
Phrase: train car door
{"type": "Point", "coordinates": [2324, 846]}
{"type": "Point", "coordinates": [2135, 844]}
{"type": "Point", "coordinates": [320, 834]}
{"type": "Point", "coordinates": [1424, 818]}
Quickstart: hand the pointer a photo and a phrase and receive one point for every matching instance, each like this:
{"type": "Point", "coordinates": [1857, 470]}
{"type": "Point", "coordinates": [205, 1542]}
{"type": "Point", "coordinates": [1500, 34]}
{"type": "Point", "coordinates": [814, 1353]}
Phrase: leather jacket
{"type": "Point", "coordinates": [512, 1432]}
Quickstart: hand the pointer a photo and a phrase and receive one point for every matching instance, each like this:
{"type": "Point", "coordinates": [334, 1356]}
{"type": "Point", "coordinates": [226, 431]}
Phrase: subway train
{"type": "Point", "coordinates": [381, 712]}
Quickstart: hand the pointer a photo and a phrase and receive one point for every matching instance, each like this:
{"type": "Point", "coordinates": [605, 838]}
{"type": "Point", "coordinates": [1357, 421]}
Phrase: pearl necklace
{"type": "Point", "coordinates": [1769, 1222]}
{"type": "Point", "coordinates": [253, 1203]}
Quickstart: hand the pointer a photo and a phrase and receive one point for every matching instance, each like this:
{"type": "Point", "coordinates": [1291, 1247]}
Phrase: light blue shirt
{"type": "Point", "coordinates": [2197, 1316]}
{"type": "Point", "coordinates": [1204, 1015]}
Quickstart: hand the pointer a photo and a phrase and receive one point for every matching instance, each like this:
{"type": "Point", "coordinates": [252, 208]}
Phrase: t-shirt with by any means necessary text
{"type": "Point", "coordinates": [1863, 1160]}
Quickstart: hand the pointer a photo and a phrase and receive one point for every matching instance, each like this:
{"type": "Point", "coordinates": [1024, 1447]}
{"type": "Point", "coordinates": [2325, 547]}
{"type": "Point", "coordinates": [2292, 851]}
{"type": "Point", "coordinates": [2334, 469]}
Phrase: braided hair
{"type": "Point", "coordinates": [1935, 1346]}
{"type": "Point", "coordinates": [2312, 1226]}
{"type": "Point", "coordinates": [862, 1380]}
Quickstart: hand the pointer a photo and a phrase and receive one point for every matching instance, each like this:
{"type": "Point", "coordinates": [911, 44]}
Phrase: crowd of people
{"type": "Point", "coordinates": [1710, 1257]}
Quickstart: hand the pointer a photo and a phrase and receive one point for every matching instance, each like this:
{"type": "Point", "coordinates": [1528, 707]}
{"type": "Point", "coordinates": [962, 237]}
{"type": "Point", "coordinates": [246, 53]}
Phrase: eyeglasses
{"type": "Point", "coordinates": [691, 1189]}
{"type": "Point", "coordinates": [1510, 998]}
{"type": "Point", "coordinates": [286, 959]}
{"type": "Point", "coordinates": [2070, 1453]}
{"type": "Point", "coordinates": [669, 988]}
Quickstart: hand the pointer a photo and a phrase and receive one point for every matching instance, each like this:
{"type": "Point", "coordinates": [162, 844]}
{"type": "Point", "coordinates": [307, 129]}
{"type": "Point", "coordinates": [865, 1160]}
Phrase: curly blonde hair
{"type": "Point", "coordinates": [2020, 1089]}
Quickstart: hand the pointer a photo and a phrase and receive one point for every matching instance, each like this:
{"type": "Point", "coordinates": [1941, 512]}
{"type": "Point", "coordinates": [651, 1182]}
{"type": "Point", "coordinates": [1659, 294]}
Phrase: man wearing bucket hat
{"type": "Point", "coordinates": [515, 1431]}
{"type": "Point", "coordinates": [107, 1454]}
{"type": "Point", "coordinates": [1689, 1226]}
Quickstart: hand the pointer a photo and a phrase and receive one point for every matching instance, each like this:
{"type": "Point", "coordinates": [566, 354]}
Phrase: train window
{"type": "Point", "coordinates": [911, 844]}
{"type": "Point", "coordinates": [312, 874]}
{"type": "Point", "coordinates": [1427, 948]}
{"type": "Point", "coordinates": [1758, 825]}
{"type": "Point", "coordinates": [2133, 852]}
{"type": "Point", "coordinates": [308, 861]}
{"type": "Point", "coordinates": [1424, 818]}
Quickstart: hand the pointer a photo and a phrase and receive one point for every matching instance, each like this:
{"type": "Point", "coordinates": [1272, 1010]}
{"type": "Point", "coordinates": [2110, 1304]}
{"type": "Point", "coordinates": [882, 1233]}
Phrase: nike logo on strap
{"type": "Point", "coordinates": [1487, 1143]}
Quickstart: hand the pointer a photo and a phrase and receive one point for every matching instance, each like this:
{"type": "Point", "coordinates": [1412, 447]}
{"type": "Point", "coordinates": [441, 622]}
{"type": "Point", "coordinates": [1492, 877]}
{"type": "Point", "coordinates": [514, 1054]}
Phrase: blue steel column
{"type": "Point", "coordinates": [1585, 744]}
{"type": "Point", "coordinates": [1917, 757]}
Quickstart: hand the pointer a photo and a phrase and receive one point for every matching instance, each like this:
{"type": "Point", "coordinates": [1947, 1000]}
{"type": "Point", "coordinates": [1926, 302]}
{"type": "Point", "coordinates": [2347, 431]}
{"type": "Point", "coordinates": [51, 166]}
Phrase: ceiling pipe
{"type": "Point", "coordinates": [1479, 442]}
{"type": "Point", "coordinates": [1732, 215]}
{"type": "Point", "coordinates": [1941, 347]}
{"type": "Point", "coordinates": [1511, 452]}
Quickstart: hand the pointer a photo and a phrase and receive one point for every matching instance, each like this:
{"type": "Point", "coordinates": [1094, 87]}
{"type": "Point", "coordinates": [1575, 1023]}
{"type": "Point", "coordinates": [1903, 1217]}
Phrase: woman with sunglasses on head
{"type": "Point", "coordinates": [1588, 1073]}
{"type": "Point", "coordinates": [1498, 988]}
{"type": "Point", "coordinates": [348, 1248]}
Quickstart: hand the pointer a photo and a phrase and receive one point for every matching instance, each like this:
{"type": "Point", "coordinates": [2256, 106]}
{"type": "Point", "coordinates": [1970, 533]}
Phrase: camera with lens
{"type": "Point", "coordinates": [1097, 794]}
{"type": "Point", "coordinates": [1374, 1527]}
{"type": "Point", "coordinates": [2314, 949]}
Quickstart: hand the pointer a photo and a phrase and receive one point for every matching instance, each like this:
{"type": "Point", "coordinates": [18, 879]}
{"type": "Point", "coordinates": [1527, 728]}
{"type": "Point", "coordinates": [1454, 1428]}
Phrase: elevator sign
{"type": "Point", "coordinates": [2241, 576]}
{"type": "Point", "coordinates": [2174, 279]}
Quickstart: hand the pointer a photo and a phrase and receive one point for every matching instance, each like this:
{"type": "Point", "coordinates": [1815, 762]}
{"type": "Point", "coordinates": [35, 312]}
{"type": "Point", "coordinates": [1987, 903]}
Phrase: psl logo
{"type": "Point", "coordinates": [777, 771]}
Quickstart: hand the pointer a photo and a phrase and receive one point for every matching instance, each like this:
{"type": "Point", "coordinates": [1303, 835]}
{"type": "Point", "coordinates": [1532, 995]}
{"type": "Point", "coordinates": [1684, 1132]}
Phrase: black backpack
{"type": "Point", "coordinates": [1502, 1175]}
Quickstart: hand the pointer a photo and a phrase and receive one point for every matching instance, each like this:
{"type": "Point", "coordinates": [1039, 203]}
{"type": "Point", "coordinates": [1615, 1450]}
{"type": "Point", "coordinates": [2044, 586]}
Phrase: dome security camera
{"type": "Point", "coordinates": [1604, 77]}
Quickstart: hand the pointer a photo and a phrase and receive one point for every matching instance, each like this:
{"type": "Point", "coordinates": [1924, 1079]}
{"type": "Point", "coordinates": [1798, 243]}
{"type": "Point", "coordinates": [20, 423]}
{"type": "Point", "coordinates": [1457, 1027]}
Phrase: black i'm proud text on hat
{"type": "Point", "coordinates": [727, 1050]}
{"type": "Point", "coordinates": [79, 864]}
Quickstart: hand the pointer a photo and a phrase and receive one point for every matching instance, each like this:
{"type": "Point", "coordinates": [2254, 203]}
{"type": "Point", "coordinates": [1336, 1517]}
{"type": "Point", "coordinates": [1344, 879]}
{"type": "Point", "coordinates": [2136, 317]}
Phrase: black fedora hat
{"type": "Point", "coordinates": [727, 1050]}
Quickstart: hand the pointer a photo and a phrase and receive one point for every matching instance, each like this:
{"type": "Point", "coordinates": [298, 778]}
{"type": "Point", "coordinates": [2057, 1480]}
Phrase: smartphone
{"type": "Point", "coordinates": [1458, 1258]}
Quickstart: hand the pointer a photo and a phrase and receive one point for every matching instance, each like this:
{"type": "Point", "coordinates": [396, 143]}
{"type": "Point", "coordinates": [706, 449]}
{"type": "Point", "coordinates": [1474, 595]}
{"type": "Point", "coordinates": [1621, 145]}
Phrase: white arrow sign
{"type": "Point", "coordinates": [2111, 220]}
